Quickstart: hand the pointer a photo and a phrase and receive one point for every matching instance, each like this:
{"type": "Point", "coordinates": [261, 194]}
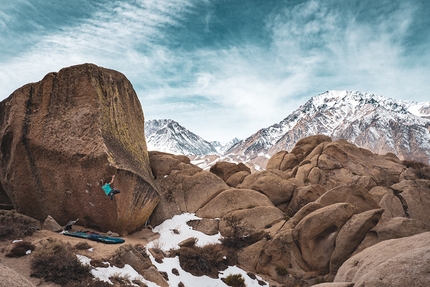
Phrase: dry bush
{"type": "Point", "coordinates": [55, 261]}
{"type": "Point", "coordinates": [14, 225]}
{"type": "Point", "coordinates": [121, 280]}
{"type": "Point", "coordinates": [20, 249]}
{"type": "Point", "coordinates": [234, 280]}
{"type": "Point", "coordinates": [88, 283]}
{"type": "Point", "coordinates": [239, 242]}
{"type": "Point", "coordinates": [83, 246]}
{"type": "Point", "coordinates": [207, 260]}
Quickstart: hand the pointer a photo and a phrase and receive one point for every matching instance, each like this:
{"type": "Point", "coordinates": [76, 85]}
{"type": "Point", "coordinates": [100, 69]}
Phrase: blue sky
{"type": "Point", "coordinates": [224, 68]}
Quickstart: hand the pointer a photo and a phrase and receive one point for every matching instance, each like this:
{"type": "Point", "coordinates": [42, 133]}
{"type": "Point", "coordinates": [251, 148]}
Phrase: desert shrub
{"type": "Point", "coordinates": [88, 283]}
{"type": "Point", "coordinates": [207, 260]}
{"type": "Point", "coordinates": [20, 249]}
{"type": "Point", "coordinates": [282, 271]}
{"type": "Point", "coordinates": [98, 263]}
{"type": "Point", "coordinates": [54, 261]}
{"type": "Point", "coordinates": [121, 280]}
{"type": "Point", "coordinates": [14, 225]}
{"type": "Point", "coordinates": [240, 242]}
{"type": "Point", "coordinates": [82, 246]}
{"type": "Point", "coordinates": [234, 280]}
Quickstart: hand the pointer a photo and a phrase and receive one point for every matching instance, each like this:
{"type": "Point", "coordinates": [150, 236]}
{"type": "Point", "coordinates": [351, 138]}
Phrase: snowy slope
{"type": "Point", "coordinates": [169, 136]}
{"type": "Point", "coordinates": [370, 121]}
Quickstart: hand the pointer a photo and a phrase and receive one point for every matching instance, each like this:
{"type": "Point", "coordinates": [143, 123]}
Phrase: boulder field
{"type": "Point", "coordinates": [59, 137]}
{"type": "Point", "coordinates": [326, 213]}
{"type": "Point", "coordinates": [318, 207]}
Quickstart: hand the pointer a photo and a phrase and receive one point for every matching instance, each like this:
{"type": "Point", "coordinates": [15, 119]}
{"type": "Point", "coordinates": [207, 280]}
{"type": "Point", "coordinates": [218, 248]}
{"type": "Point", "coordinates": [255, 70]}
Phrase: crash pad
{"type": "Point", "coordinates": [94, 236]}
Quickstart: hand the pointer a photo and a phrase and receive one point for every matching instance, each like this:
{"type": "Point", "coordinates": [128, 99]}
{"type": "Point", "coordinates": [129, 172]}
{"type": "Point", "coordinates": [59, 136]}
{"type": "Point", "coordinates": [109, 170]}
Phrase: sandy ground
{"type": "Point", "coordinates": [100, 250]}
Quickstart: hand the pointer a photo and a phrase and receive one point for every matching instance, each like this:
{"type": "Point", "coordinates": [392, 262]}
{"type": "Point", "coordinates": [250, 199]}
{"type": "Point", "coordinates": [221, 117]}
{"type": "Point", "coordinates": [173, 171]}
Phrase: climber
{"type": "Point", "coordinates": [109, 190]}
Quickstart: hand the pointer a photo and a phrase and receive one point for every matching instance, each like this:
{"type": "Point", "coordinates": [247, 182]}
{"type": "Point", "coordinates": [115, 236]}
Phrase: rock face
{"type": "Point", "coordinates": [61, 135]}
{"type": "Point", "coordinates": [11, 278]}
{"type": "Point", "coordinates": [315, 207]}
{"type": "Point", "coordinates": [396, 262]}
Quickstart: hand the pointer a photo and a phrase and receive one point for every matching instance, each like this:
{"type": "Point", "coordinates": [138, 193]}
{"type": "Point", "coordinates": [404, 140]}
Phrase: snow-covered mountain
{"type": "Point", "coordinates": [169, 136]}
{"type": "Point", "coordinates": [370, 121]}
{"type": "Point", "coordinates": [222, 148]}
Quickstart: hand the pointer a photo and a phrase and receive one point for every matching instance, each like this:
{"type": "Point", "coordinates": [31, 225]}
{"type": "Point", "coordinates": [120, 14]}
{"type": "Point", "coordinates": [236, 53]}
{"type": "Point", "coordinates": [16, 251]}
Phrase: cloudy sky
{"type": "Point", "coordinates": [224, 68]}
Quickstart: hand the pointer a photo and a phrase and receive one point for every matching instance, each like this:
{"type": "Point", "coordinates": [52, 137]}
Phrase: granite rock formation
{"type": "Point", "coordinates": [316, 206]}
{"type": "Point", "coordinates": [59, 137]}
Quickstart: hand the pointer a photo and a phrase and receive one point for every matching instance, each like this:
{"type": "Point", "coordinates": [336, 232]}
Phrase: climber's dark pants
{"type": "Point", "coordinates": [113, 192]}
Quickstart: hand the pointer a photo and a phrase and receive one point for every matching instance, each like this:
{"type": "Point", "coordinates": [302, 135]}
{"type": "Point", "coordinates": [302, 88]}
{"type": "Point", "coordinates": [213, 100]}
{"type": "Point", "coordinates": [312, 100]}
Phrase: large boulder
{"type": "Point", "coordinates": [183, 187]}
{"type": "Point", "coordinates": [396, 227]}
{"type": "Point", "coordinates": [11, 278]}
{"type": "Point", "coordinates": [282, 160]}
{"type": "Point", "coordinates": [415, 195]}
{"type": "Point", "coordinates": [353, 194]}
{"type": "Point", "coordinates": [396, 262]}
{"type": "Point", "coordinates": [61, 135]}
{"type": "Point", "coordinates": [351, 235]}
{"type": "Point", "coordinates": [316, 234]}
{"type": "Point", "coordinates": [225, 170]}
{"type": "Point", "coordinates": [233, 199]}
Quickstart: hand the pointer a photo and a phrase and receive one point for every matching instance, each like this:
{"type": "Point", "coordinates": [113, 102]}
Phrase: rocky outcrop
{"type": "Point", "coordinates": [314, 208]}
{"type": "Point", "coordinates": [10, 278]}
{"type": "Point", "coordinates": [397, 262]}
{"type": "Point", "coordinates": [61, 135]}
{"type": "Point", "coordinates": [183, 187]}
{"type": "Point", "coordinates": [231, 173]}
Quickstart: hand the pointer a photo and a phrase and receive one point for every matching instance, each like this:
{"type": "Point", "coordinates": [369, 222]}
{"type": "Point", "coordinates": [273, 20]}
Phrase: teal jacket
{"type": "Point", "coordinates": [107, 188]}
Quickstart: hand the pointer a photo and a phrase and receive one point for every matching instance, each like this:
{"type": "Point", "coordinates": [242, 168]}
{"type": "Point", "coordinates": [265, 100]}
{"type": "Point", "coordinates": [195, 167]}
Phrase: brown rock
{"type": "Point", "coordinates": [61, 135]}
{"type": "Point", "coordinates": [303, 195]}
{"type": "Point", "coordinates": [275, 160]}
{"type": "Point", "coordinates": [51, 225]}
{"type": "Point", "coordinates": [282, 160]}
{"type": "Point", "coordinates": [247, 258]}
{"type": "Point", "coordinates": [233, 199]}
{"type": "Point", "coordinates": [316, 234]}
{"type": "Point", "coordinates": [152, 274]}
{"type": "Point", "coordinates": [305, 146]}
{"type": "Point", "coordinates": [416, 194]}
{"type": "Point", "coordinates": [277, 189]}
{"type": "Point", "coordinates": [396, 227]}
{"type": "Point", "coordinates": [163, 163]}
{"type": "Point", "coordinates": [304, 211]}
{"type": "Point", "coordinates": [396, 263]}
{"type": "Point", "coordinates": [253, 177]}
{"type": "Point", "coordinates": [246, 222]}
{"type": "Point", "coordinates": [225, 169]}
{"type": "Point", "coordinates": [355, 195]}
{"type": "Point", "coordinates": [351, 235]}
{"type": "Point", "coordinates": [200, 188]}
{"type": "Point", "coordinates": [361, 162]}
{"type": "Point", "coordinates": [388, 201]}
{"type": "Point", "coordinates": [237, 178]}
{"type": "Point", "coordinates": [206, 225]}
{"type": "Point", "coordinates": [11, 278]}
{"type": "Point", "coordinates": [326, 162]}
{"type": "Point", "coordinates": [185, 190]}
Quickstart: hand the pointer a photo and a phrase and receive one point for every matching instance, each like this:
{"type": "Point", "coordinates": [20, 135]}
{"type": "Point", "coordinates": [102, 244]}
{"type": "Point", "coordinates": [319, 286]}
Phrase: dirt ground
{"type": "Point", "coordinates": [100, 250]}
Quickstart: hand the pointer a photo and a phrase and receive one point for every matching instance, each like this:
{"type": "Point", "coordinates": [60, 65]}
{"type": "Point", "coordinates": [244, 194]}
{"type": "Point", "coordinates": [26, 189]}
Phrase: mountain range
{"type": "Point", "coordinates": [370, 121]}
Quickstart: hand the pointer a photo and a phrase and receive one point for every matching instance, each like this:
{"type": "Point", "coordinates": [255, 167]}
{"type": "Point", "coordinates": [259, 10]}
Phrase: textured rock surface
{"type": "Point", "coordinates": [316, 234]}
{"type": "Point", "coordinates": [396, 262]}
{"type": "Point", "coordinates": [10, 278]}
{"type": "Point", "coordinates": [61, 135]}
{"type": "Point", "coordinates": [226, 169]}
